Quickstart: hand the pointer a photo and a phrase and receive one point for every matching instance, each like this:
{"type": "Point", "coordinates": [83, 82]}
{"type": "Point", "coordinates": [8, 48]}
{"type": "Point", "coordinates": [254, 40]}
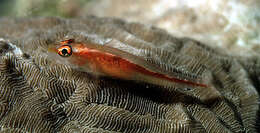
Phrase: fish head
{"type": "Point", "coordinates": [68, 52]}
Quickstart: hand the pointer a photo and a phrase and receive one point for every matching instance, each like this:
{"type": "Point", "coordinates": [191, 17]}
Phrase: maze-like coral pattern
{"type": "Point", "coordinates": [41, 92]}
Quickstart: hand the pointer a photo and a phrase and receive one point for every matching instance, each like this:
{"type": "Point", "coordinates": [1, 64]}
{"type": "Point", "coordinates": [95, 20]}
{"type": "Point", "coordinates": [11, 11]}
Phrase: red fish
{"type": "Point", "coordinates": [113, 62]}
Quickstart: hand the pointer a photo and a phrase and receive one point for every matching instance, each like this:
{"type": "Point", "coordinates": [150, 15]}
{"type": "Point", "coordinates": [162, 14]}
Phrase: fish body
{"type": "Point", "coordinates": [112, 62]}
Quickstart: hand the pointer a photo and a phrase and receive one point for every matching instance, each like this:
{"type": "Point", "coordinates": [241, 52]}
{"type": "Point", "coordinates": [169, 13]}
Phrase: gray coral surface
{"type": "Point", "coordinates": [42, 93]}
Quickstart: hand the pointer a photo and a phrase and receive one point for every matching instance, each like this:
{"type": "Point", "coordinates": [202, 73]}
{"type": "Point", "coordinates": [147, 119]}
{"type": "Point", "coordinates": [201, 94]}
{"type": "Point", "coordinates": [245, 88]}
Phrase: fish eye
{"type": "Point", "coordinates": [65, 50]}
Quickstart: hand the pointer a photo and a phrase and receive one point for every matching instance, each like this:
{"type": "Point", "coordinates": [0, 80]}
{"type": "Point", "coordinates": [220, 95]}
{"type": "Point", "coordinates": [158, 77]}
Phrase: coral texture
{"type": "Point", "coordinates": [41, 92]}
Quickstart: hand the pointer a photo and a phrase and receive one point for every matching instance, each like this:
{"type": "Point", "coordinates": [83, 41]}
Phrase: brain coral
{"type": "Point", "coordinates": [41, 92]}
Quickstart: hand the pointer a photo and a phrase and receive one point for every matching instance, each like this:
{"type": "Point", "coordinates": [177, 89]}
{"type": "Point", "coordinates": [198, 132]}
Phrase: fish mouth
{"type": "Point", "coordinates": [52, 50]}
